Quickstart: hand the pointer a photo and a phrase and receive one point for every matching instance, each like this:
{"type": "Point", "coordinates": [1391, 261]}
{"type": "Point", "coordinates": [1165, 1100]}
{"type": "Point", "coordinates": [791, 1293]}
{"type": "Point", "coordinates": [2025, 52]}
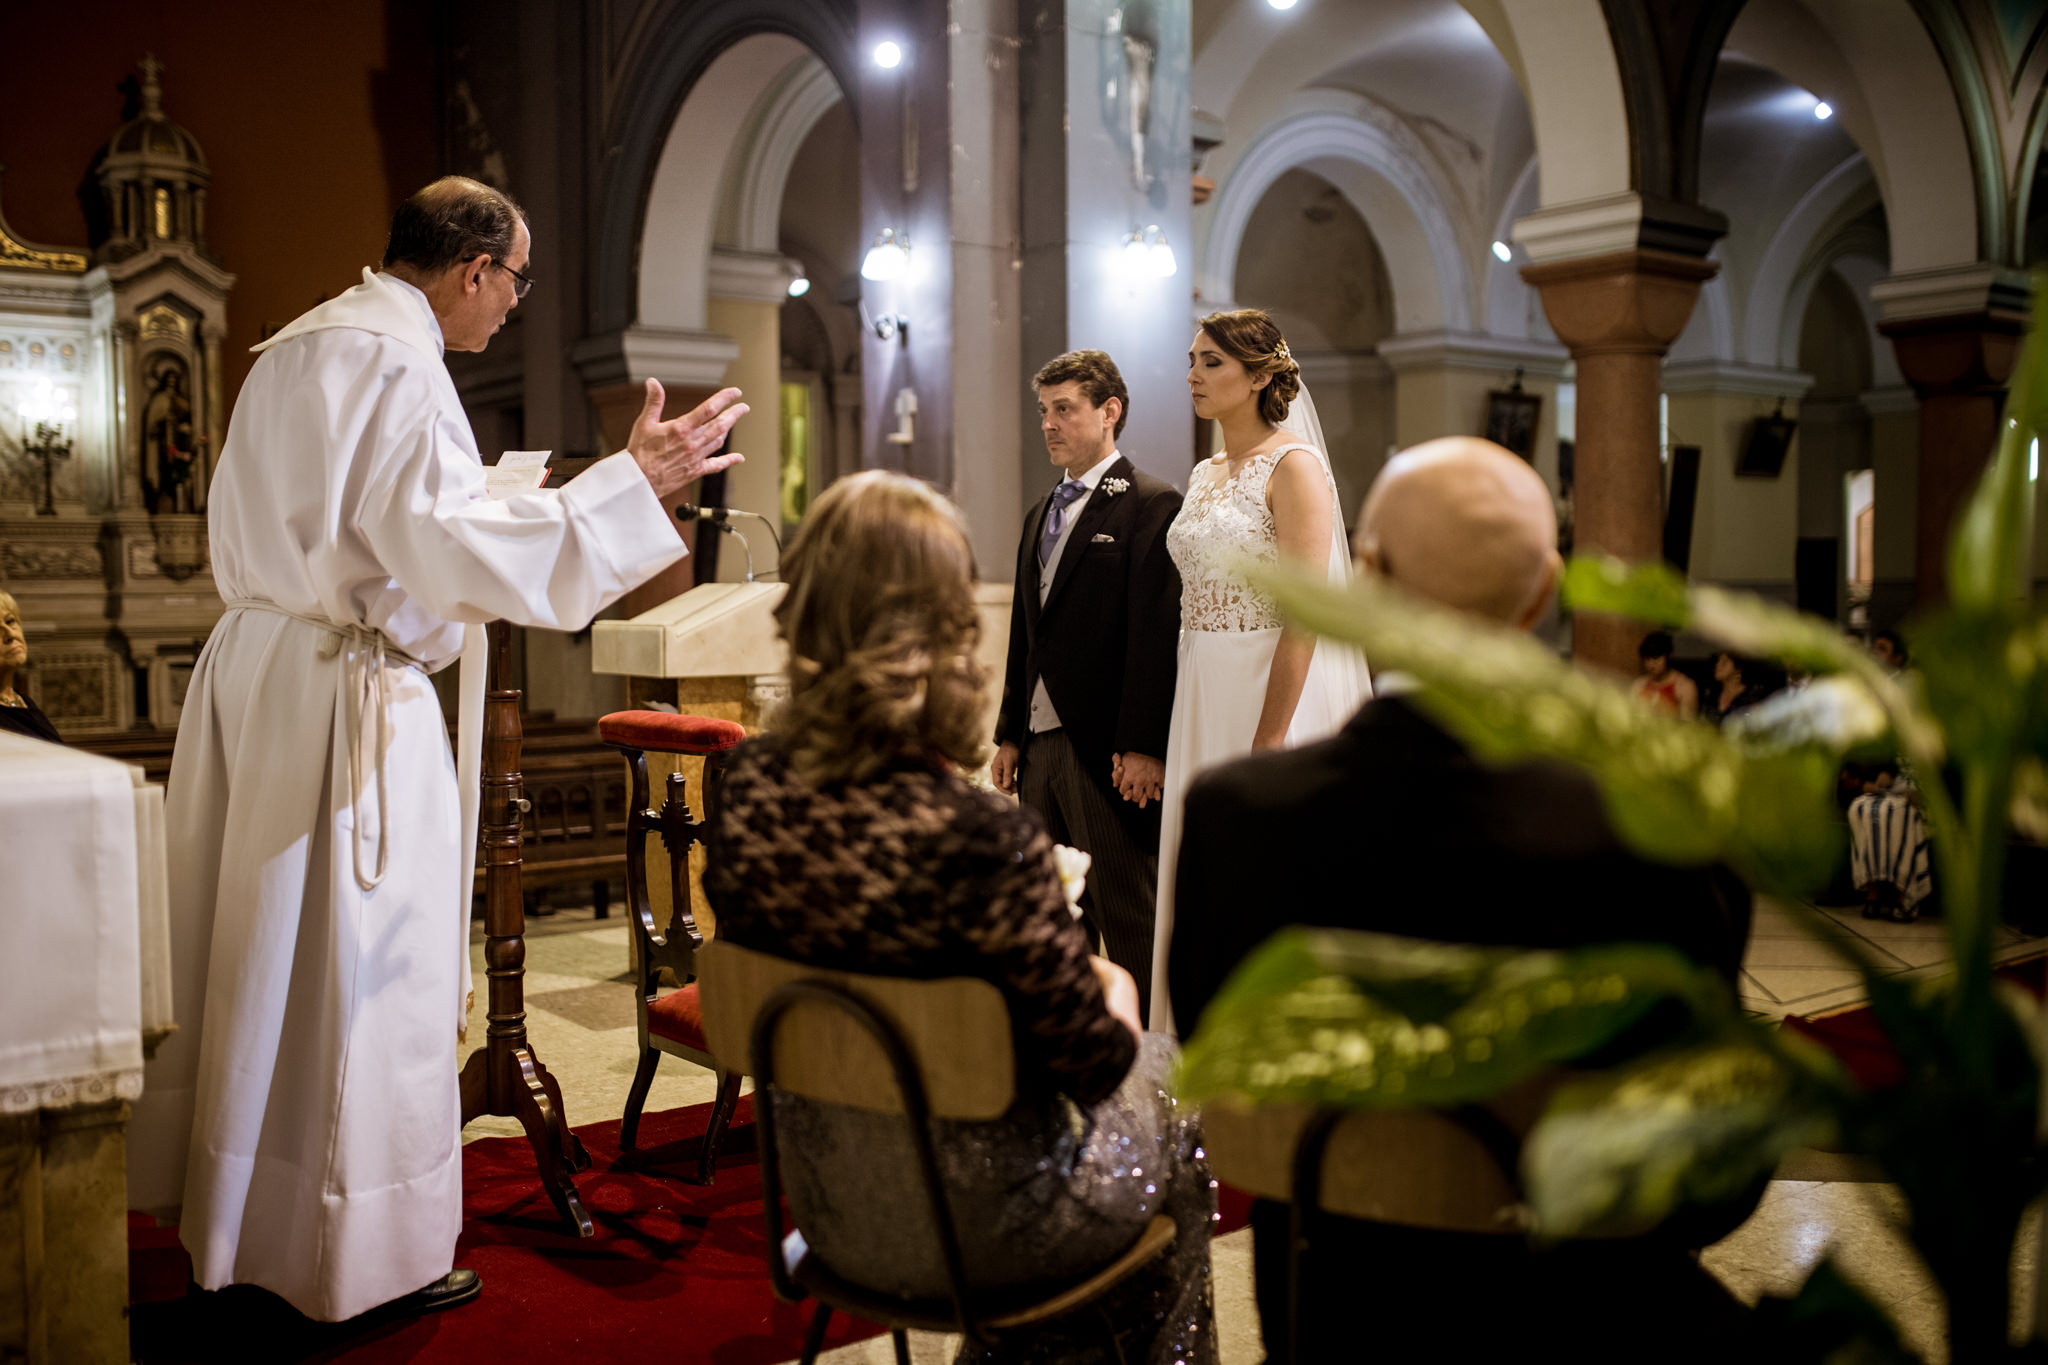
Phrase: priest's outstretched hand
{"type": "Point", "coordinates": [676, 453]}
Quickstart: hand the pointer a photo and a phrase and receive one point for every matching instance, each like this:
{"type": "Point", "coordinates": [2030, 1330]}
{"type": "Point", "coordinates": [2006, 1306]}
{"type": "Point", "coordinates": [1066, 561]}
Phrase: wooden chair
{"type": "Point", "coordinates": [670, 1023]}
{"type": "Point", "coordinates": [1450, 1170]}
{"type": "Point", "coordinates": [922, 1049]}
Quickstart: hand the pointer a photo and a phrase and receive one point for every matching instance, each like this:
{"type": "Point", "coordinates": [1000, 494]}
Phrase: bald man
{"type": "Point", "coordinates": [1391, 826]}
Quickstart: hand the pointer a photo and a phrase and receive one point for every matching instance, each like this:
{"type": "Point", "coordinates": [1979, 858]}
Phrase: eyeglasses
{"type": "Point", "coordinates": [522, 283]}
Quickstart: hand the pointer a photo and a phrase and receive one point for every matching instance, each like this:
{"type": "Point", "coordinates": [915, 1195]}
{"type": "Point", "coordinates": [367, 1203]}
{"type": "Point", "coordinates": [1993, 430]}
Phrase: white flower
{"type": "Point", "coordinates": [1114, 486]}
{"type": "Point", "coordinates": [1073, 865]}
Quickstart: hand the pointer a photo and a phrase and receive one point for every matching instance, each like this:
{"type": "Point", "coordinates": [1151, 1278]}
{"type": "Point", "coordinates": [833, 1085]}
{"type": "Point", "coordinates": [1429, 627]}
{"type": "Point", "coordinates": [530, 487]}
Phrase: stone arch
{"type": "Point", "coordinates": [1831, 220]}
{"type": "Point", "coordinates": [1562, 53]}
{"type": "Point", "coordinates": [757, 172]}
{"type": "Point", "coordinates": [1878, 64]}
{"type": "Point", "coordinates": [644, 108]}
{"type": "Point", "coordinates": [1384, 172]}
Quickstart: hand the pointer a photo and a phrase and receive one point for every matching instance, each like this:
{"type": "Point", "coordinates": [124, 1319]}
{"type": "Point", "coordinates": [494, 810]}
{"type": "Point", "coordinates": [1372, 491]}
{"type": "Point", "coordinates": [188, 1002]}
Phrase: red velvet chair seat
{"type": "Point", "coordinates": [679, 1017]}
{"type": "Point", "coordinates": [664, 732]}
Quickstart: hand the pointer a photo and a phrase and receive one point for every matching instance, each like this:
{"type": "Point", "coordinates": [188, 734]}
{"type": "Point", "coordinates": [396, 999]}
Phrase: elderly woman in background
{"type": "Point", "coordinates": [851, 838]}
{"type": "Point", "coordinates": [18, 712]}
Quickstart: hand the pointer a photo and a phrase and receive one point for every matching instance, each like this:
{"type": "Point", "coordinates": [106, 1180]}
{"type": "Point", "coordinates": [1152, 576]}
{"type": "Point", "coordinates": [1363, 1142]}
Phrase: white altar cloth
{"type": "Point", "coordinates": [82, 891]}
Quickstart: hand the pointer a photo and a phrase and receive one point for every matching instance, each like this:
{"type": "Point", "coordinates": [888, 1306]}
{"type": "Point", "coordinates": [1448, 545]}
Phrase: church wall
{"type": "Point", "coordinates": [1746, 530]}
{"type": "Point", "coordinates": [755, 484]}
{"type": "Point", "coordinates": [315, 122]}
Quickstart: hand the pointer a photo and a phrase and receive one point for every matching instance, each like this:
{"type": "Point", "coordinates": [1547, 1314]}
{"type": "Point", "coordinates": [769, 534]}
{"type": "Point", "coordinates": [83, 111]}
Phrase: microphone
{"type": "Point", "coordinates": [721, 517]}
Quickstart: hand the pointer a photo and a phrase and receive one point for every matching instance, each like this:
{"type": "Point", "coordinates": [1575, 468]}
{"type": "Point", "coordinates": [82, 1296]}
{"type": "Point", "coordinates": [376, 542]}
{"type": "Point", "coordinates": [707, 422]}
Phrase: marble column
{"type": "Point", "coordinates": [747, 291]}
{"type": "Point", "coordinates": [1958, 366]}
{"type": "Point", "coordinates": [1618, 312]}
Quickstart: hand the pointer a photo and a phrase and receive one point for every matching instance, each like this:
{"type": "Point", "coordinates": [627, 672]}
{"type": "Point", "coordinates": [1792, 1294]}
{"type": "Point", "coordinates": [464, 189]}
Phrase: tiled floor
{"type": "Point", "coordinates": [580, 1017]}
{"type": "Point", "coordinates": [1787, 971]}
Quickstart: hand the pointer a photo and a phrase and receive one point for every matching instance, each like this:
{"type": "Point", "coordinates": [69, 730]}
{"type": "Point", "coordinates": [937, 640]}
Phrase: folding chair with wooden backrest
{"type": "Point", "coordinates": [1448, 1170]}
{"type": "Point", "coordinates": [923, 1049]}
{"type": "Point", "coordinates": [669, 1022]}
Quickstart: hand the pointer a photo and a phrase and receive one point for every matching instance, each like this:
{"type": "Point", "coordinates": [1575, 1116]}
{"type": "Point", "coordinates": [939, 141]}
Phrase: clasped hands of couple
{"type": "Point", "coordinates": [1136, 777]}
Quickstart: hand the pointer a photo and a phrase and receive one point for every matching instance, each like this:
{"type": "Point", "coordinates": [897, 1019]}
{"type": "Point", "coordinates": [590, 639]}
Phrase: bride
{"type": "Point", "coordinates": [1246, 681]}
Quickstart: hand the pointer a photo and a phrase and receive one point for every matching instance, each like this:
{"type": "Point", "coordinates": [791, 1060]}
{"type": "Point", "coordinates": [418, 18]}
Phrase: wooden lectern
{"type": "Point", "coordinates": [504, 1077]}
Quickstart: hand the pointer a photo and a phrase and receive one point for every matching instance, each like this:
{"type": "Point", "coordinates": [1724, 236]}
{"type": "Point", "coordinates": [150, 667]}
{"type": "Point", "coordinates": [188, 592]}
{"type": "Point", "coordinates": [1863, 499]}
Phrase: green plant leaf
{"type": "Point", "coordinates": [1352, 1020]}
{"type": "Point", "coordinates": [1615, 1155]}
{"type": "Point", "coordinates": [1676, 790]}
{"type": "Point", "coordinates": [1740, 622]}
{"type": "Point", "coordinates": [1993, 540]}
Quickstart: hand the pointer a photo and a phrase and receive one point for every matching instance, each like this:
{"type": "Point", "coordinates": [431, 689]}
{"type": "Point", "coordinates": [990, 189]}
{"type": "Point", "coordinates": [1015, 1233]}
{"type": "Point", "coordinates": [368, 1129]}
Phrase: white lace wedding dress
{"type": "Point", "coordinates": [1229, 631]}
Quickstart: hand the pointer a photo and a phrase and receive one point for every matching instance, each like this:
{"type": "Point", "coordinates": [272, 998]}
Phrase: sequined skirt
{"type": "Point", "coordinates": [1051, 1192]}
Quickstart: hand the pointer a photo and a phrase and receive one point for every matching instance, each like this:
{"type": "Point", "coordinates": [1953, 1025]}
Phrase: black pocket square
{"type": "Point", "coordinates": [1104, 540]}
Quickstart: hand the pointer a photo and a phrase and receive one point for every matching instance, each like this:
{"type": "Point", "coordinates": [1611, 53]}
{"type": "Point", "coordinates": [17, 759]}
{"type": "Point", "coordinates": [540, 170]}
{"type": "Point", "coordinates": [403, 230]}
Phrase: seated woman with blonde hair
{"type": "Point", "coordinates": [18, 712]}
{"type": "Point", "coordinates": [851, 838]}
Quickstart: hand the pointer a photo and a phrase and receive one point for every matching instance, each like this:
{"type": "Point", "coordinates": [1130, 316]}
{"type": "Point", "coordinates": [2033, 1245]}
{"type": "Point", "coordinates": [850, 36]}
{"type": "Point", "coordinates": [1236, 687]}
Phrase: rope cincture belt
{"type": "Point", "coordinates": [368, 654]}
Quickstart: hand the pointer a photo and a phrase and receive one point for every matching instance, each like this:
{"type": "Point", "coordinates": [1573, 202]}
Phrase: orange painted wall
{"type": "Point", "coordinates": [315, 119]}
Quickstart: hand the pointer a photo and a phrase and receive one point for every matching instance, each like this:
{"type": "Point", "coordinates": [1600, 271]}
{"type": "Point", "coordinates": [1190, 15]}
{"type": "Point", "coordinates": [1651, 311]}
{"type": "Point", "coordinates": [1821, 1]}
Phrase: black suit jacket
{"type": "Point", "coordinates": [1106, 640]}
{"type": "Point", "coordinates": [1391, 826]}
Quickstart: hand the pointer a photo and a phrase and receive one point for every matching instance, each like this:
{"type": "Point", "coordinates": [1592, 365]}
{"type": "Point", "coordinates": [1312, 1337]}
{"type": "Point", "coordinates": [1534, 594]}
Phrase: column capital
{"type": "Point", "coordinates": [1623, 301]}
{"type": "Point", "coordinates": [1473, 351]}
{"type": "Point", "coordinates": [751, 276]}
{"type": "Point", "coordinates": [1950, 291]}
{"type": "Point", "coordinates": [1617, 223]}
{"type": "Point", "coordinates": [1727, 376]}
{"type": "Point", "coordinates": [678, 356]}
{"type": "Point", "coordinates": [1957, 354]}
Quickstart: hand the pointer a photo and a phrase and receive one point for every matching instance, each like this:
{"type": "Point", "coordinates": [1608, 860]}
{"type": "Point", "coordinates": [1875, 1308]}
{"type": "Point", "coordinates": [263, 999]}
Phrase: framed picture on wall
{"type": "Point", "coordinates": [1511, 417]}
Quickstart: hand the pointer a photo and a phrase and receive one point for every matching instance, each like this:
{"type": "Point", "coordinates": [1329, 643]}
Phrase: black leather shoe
{"type": "Point", "coordinates": [456, 1287]}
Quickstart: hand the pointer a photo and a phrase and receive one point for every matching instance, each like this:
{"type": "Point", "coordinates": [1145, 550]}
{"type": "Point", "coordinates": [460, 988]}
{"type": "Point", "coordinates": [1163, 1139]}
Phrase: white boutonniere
{"type": "Point", "coordinates": [1073, 865]}
{"type": "Point", "coordinates": [1114, 486]}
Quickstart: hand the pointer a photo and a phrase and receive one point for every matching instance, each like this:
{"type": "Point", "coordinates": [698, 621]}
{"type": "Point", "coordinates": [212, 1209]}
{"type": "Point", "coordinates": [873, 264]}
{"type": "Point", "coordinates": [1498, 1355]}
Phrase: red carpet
{"type": "Point", "coordinates": [675, 1273]}
{"type": "Point", "coordinates": [1857, 1041]}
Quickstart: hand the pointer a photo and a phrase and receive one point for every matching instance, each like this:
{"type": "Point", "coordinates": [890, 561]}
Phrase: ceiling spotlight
{"type": "Point", "coordinates": [799, 287]}
{"type": "Point", "coordinates": [1503, 253]}
{"type": "Point", "coordinates": [1823, 111]}
{"type": "Point", "coordinates": [888, 258]}
{"type": "Point", "coordinates": [1281, 4]}
{"type": "Point", "coordinates": [888, 56]}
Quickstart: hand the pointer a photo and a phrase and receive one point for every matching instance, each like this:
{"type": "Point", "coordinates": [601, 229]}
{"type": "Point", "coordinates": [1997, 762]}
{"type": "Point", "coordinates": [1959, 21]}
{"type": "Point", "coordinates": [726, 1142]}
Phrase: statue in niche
{"type": "Point", "coordinates": [170, 463]}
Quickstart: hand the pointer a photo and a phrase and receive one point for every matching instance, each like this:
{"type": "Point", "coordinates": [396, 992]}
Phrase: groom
{"type": "Point", "coordinates": [1094, 629]}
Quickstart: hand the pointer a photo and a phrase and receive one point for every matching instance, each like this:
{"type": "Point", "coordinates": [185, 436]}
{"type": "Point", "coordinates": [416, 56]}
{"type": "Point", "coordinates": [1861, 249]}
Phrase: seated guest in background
{"type": "Point", "coordinates": [1889, 648]}
{"type": "Point", "coordinates": [1739, 685]}
{"type": "Point", "coordinates": [1660, 683]}
{"type": "Point", "coordinates": [1890, 857]}
{"type": "Point", "coordinates": [1392, 826]}
{"type": "Point", "coordinates": [850, 838]}
{"type": "Point", "coordinates": [18, 712]}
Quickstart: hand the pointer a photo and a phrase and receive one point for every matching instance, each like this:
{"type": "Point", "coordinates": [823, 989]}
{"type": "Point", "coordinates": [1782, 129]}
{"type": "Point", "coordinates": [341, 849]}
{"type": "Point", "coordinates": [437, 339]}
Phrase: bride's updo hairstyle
{"type": "Point", "coordinates": [1248, 336]}
{"type": "Point", "coordinates": [881, 625]}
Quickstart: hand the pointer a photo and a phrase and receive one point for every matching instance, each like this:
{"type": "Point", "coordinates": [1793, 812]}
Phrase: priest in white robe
{"type": "Point", "coordinates": [316, 820]}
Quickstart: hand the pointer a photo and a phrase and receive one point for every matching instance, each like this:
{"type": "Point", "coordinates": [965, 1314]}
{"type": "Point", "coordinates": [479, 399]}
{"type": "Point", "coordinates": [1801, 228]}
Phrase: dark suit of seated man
{"type": "Point", "coordinates": [1392, 826]}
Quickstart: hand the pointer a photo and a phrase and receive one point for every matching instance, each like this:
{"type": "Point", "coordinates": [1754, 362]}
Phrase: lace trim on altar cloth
{"type": "Point", "coordinates": [1225, 518]}
{"type": "Point", "coordinates": [66, 1092]}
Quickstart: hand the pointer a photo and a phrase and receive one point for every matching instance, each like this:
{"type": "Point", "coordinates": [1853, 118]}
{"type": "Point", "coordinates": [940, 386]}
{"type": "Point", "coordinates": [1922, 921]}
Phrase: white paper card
{"type": "Point", "coordinates": [517, 471]}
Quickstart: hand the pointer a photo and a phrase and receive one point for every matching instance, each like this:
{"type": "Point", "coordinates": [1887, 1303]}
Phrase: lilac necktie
{"type": "Point", "coordinates": [1056, 516]}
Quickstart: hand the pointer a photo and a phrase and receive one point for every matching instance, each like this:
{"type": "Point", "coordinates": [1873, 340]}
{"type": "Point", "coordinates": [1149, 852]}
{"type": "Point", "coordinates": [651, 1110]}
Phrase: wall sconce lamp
{"type": "Point", "coordinates": [888, 258]}
{"type": "Point", "coordinates": [1147, 255]}
{"type": "Point", "coordinates": [43, 419]}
